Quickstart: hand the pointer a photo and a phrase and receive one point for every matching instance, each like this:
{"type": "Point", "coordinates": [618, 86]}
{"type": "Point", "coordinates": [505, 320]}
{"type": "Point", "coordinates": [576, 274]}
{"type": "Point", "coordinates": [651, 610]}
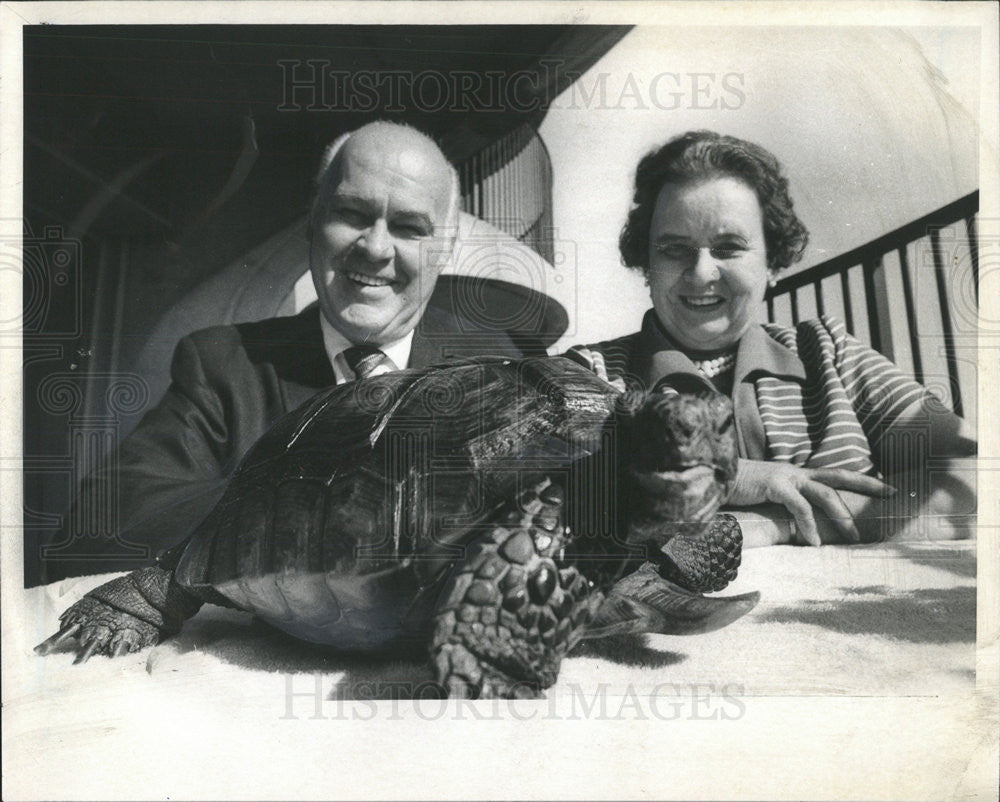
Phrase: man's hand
{"type": "Point", "coordinates": [799, 490]}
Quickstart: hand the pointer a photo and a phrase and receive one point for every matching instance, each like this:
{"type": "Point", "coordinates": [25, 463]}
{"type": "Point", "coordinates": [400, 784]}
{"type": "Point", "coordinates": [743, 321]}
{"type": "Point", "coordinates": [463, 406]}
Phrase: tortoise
{"type": "Point", "coordinates": [495, 511]}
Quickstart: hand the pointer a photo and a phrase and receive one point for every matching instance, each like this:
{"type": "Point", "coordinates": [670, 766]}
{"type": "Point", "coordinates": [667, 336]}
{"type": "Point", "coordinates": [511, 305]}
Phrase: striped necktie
{"type": "Point", "coordinates": [363, 359]}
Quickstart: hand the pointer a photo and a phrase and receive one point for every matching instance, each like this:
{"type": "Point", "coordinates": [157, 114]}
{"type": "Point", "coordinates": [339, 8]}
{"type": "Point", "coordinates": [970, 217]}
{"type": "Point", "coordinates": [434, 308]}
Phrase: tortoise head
{"type": "Point", "coordinates": [680, 451]}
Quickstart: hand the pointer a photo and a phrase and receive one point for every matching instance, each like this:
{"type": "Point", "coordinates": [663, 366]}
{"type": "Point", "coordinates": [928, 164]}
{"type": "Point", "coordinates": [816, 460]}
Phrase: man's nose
{"type": "Point", "coordinates": [704, 270]}
{"type": "Point", "coordinates": [375, 243]}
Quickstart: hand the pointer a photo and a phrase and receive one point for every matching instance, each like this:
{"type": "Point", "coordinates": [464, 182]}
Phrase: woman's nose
{"type": "Point", "coordinates": [375, 243]}
{"type": "Point", "coordinates": [704, 269]}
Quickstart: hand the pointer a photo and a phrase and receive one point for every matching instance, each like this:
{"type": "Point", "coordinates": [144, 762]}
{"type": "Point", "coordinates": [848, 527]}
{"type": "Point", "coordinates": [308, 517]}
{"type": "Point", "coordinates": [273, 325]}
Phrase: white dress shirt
{"type": "Point", "coordinates": [397, 353]}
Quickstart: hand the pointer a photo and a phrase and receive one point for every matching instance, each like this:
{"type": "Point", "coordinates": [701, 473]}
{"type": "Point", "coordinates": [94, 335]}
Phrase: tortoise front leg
{"type": "Point", "coordinates": [705, 561]}
{"type": "Point", "coordinates": [508, 613]}
{"type": "Point", "coordinates": [124, 615]}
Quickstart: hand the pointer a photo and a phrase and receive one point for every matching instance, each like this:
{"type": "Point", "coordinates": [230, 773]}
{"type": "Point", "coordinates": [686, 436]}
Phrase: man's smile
{"type": "Point", "coordinates": [365, 280]}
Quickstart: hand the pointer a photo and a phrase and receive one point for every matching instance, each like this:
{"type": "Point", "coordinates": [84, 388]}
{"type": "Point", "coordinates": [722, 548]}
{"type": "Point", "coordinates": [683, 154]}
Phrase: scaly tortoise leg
{"type": "Point", "coordinates": [508, 613]}
{"type": "Point", "coordinates": [706, 561]}
{"type": "Point", "coordinates": [124, 615]}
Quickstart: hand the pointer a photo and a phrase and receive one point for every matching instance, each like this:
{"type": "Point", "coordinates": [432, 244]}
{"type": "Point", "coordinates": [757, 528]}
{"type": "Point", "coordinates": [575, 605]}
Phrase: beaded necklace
{"type": "Point", "coordinates": [714, 367]}
{"type": "Point", "coordinates": [708, 367]}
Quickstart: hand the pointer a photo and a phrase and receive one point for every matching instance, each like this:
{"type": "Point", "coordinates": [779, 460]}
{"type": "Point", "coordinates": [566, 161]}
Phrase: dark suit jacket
{"type": "Point", "coordinates": [229, 385]}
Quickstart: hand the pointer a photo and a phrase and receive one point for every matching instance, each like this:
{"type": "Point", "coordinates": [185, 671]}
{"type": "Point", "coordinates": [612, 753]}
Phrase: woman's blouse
{"type": "Point", "coordinates": [812, 395]}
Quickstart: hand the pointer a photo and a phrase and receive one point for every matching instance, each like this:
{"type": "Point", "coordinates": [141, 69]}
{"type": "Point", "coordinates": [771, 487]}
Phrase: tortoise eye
{"type": "Point", "coordinates": [726, 424]}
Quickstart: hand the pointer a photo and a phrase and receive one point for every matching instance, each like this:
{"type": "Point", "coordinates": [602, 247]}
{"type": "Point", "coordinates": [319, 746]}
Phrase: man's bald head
{"type": "Point", "coordinates": [384, 225]}
{"type": "Point", "coordinates": [404, 142]}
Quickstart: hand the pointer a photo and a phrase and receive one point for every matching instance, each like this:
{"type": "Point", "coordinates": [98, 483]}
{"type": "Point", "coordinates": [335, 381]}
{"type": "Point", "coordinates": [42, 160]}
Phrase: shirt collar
{"type": "Point", "coordinates": [761, 353]}
{"type": "Point", "coordinates": [659, 357]}
{"type": "Point", "coordinates": [757, 352]}
{"type": "Point", "coordinates": [397, 352]}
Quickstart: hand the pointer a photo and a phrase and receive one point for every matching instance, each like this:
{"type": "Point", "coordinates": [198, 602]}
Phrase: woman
{"type": "Point", "coordinates": [816, 411]}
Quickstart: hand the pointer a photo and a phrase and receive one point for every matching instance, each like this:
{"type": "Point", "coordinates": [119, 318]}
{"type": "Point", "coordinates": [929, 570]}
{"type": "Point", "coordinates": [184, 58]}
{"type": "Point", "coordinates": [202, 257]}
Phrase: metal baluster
{"type": "Point", "coordinates": [970, 227]}
{"type": "Point", "coordinates": [845, 288]}
{"type": "Point", "coordinates": [911, 314]}
{"type": "Point", "coordinates": [874, 330]}
{"type": "Point", "coordinates": [946, 324]}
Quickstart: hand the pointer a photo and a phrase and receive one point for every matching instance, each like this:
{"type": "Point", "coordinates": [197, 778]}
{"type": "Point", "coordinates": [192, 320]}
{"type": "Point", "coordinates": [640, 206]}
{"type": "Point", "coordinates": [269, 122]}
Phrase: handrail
{"type": "Point", "coordinates": [878, 312]}
{"type": "Point", "coordinates": [964, 207]}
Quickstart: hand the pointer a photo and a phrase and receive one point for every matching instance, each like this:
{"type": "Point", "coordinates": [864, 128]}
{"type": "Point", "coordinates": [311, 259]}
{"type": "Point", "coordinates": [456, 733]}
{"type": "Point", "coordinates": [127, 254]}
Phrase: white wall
{"type": "Point", "coordinates": [874, 126]}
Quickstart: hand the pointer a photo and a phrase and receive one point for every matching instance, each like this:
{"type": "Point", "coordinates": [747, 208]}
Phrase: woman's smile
{"type": "Point", "coordinates": [702, 303]}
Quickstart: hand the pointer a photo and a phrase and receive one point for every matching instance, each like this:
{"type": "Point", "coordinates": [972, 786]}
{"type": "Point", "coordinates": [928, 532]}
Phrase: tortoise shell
{"type": "Point", "coordinates": [489, 511]}
{"type": "Point", "coordinates": [343, 520]}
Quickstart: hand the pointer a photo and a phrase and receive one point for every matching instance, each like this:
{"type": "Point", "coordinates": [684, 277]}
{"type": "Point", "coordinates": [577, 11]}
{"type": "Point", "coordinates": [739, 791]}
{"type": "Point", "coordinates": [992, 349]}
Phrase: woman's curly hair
{"type": "Point", "coordinates": [704, 154]}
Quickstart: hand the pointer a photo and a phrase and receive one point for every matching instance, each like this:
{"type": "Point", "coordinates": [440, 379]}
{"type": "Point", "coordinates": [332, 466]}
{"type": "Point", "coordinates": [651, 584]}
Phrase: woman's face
{"type": "Point", "coordinates": [707, 261]}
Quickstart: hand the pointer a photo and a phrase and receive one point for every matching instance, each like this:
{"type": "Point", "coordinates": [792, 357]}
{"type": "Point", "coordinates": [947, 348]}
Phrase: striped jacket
{"type": "Point", "coordinates": [813, 395]}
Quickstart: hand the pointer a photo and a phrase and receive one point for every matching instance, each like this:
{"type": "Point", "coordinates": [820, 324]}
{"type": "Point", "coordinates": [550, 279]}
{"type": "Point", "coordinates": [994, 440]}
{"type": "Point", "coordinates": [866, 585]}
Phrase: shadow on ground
{"type": "Point", "coordinates": [960, 563]}
{"type": "Point", "coordinates": [627, 650]}
{"type": "Point", "coordinates": [239, 639]}
{"type": "Point", "coordinates": [930, 615]}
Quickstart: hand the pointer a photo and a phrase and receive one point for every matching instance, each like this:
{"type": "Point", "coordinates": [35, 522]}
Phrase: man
{"type": "Point", "coordinates": [382, 228]}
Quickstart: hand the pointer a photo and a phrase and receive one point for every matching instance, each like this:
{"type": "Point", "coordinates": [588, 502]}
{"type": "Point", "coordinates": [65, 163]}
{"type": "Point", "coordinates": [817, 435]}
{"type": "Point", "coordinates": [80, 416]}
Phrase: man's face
{"type": "Point", "coordinates": [377, 244]}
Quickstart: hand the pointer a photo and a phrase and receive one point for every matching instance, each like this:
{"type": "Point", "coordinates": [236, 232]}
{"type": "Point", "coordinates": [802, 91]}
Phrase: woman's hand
{"type": "Point", "coordinates": [799, 490]}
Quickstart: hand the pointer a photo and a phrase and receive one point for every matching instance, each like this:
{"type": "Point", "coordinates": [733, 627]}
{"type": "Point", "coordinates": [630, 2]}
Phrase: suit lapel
{"type": "Point", "coordinates": [441, 336]}
{"type": "Point", "coordinates": [305, 368]}
{"type": "Point", "coordinates": [424, 350]}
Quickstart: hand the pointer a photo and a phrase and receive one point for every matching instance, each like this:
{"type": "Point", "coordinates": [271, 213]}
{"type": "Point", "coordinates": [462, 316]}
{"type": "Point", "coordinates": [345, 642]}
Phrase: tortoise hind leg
{"type": "Point", "coordinates": [124, 615]}
{"type": "Point", "coordinates": [508, 613]}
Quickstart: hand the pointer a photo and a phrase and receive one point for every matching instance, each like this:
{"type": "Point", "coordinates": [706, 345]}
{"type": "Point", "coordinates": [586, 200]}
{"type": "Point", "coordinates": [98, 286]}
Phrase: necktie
{"type": "Point", "coordinates": [363, 359]}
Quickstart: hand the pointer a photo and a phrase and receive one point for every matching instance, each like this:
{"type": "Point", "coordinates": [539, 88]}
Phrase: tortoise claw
{"type": "Point", "coordinates": [88, 651]}
{"type": "Point", "coordinates": [644, 601]}
{"type": "Point", "coordinates": [458, 689]}
{"type": "Point", "coordinates": [63, 636]}
{"type": "Point", "coordinates": [124, 615]}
